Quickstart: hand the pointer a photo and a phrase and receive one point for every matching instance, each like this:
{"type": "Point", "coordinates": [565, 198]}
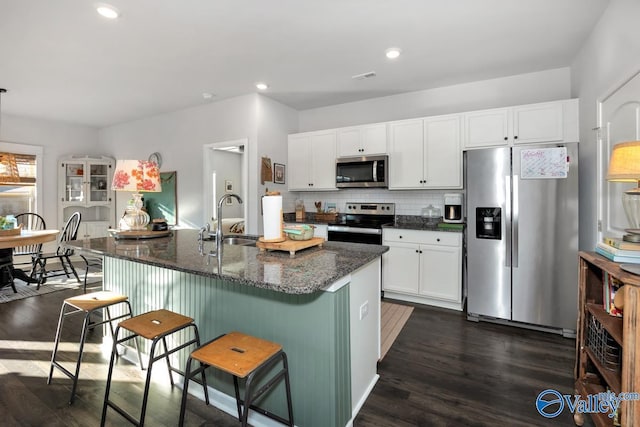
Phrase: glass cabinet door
{"type": "Point", "coordinates": [98, 182]}
{"type": "Point", "coordinates": [74, 182]}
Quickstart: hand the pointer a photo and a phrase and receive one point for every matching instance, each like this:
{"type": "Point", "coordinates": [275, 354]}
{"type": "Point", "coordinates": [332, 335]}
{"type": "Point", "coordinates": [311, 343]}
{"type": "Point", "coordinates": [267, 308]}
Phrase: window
{"type": "Point", "coordinates": [19, 168]}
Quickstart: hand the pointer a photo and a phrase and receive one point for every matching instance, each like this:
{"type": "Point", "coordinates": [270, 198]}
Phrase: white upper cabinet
{"type": "Point", "coordinates": [443, 153]}
{"type": "Point", "coordinates": [406, 154]}
{"type": "Point", "coordinates": [425, 153]}
{"type": "Point", "coordinates": [362, 140]}
{"type": "Point", "coordinates": [534, 123]}
{"type": "Point", "coordinates": [312, 161]}
{"type": "Point", "coordinates": [486, 128]}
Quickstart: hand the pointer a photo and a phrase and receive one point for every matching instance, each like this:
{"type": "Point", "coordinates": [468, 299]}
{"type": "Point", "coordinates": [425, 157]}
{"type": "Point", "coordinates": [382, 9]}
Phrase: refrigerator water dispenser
{"type": "Point", "coordinates": [489, 223]}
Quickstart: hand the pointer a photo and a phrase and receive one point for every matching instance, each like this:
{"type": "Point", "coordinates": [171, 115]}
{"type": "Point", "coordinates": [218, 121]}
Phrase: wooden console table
{"type": "Point", "coordinates": [595, 372]}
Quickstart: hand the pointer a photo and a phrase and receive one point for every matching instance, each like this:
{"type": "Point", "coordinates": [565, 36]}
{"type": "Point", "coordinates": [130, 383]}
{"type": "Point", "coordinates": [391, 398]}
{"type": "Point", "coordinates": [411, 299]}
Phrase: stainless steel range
{"type": "Point", "coordinates": [362, 223]}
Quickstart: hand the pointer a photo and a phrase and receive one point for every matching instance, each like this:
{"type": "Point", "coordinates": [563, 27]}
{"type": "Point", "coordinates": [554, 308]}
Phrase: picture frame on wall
{"type": "Point", "coordinates": [278, 173]}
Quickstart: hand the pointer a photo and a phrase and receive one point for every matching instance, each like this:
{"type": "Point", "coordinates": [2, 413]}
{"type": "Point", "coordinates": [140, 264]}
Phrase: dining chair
{"type": "Point", "coordinates": [62, 254]}
{"type": "Point", "coordinates": [29, 221]}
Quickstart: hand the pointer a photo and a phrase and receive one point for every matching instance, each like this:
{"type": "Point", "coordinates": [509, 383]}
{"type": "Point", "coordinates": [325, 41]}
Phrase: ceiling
{"type": "Point", "coordinates": [60, 60]}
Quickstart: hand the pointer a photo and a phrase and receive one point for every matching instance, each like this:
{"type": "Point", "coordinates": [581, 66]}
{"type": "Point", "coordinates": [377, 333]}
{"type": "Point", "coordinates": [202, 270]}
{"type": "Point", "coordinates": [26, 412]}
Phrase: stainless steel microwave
{"type": "Point", "coordinates": [360, 172]}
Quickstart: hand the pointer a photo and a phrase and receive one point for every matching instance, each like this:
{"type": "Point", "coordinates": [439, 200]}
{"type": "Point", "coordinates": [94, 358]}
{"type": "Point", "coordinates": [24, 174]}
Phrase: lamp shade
{"type": "Point", "coordinates": [136, 175]}
{"type": "Point", "coordinates": [624, 165]}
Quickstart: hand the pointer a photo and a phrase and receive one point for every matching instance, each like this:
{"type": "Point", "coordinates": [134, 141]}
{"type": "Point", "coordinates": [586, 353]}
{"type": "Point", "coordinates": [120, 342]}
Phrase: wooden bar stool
{"type": "Point", "coordinates": [242, 356]}
{"type": "Point", "coordinates": [87, 304]}
{"type": "Point", "coordinates": [155, 326]}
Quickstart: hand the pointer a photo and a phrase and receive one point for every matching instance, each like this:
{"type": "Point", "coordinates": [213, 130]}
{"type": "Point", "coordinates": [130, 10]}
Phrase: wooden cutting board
{"type": "Point", "coordinates": [291, 246]}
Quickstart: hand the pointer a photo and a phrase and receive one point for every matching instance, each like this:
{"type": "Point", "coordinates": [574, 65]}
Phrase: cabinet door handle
{"type": "Point", "coordinates": [515, 137]}
{"type": "Point", "coordinates": [400, 237]}
{"type": "Point", "coordinates": [417, 251]}
{"type": "Point", "coordinates": [506, 138]}
{"type": "Point", "coordinates": [438, 239]}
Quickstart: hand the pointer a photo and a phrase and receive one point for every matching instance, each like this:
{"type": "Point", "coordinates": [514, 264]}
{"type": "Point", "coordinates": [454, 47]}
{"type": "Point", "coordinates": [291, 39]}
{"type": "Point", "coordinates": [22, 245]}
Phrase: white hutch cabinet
{"type": "Point", "coordinates": [84, 185]}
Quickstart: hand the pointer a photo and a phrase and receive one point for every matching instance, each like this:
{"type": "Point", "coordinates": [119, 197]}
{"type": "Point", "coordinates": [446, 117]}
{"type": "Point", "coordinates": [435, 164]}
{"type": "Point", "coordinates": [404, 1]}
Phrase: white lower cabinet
{"type": "Point", "coordinates": [423, 267]}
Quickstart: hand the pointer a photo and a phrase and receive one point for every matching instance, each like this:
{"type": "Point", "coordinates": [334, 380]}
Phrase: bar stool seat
{"type": "Point", "coordinates": [155, 326]}
{"type": "Point", "coordinates": [242, 356]}
{"type": "Point", "coordinates": [87, 304]}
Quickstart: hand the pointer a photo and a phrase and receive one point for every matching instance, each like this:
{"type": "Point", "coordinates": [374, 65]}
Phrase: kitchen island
{"type": "Point", "coordinates": [323, 306]}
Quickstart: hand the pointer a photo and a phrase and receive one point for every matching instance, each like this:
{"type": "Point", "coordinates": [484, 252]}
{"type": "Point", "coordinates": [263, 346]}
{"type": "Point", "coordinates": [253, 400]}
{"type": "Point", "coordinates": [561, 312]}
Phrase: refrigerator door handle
{"type": "Point", "coordinates": [514, 222]}
{"type": "Point", "coordinates": [507, 220]}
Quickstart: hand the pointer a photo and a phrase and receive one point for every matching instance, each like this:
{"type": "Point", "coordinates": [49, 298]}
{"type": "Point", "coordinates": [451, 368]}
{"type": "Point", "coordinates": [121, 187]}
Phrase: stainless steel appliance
{"type": "Point", "coordinates": [366, 171]}
{"type": "Point", "coordinates": [362, 223]}
{"type": "Point", "coordinates": [453, 208]}
{"type": "Point", "coordinates": [522, 225]}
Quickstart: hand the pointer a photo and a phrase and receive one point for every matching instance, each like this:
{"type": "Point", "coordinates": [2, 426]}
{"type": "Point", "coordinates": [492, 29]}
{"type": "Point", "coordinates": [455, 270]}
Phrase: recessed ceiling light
{"type": "Point", "coordinates": [262, 86]}
{"type": "Point", "coordinates": [393, 52]}
{"type": "Point", "coordinates": [107, 11]}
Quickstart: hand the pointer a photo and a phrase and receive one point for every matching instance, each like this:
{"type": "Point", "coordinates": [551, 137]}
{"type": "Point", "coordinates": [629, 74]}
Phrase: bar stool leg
{"type": "Point", "coordinates": [166, 356]}
{"type": "Point", "coordinates": [147, 383]}
{"type": "Point", "coordinates": [83, 336]}
{"type": "Point", "coordinates": [185, 388]}
{"type": "Point", "coordinates": [287, 387]}
{"type": "Point", "coordinates": [247, 399]}
{"type": "Point", "coordinates": [114, 350]}
{"type": "Point", "coordinates": [57, 341]}
{"type": "Point", "coordinates": [237, 389]}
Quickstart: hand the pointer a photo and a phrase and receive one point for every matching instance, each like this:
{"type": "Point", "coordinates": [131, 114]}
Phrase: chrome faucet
{"type": "Point", "coordinates": [219, 235]}
{"type": "Point", "coordinates": [201, 234]}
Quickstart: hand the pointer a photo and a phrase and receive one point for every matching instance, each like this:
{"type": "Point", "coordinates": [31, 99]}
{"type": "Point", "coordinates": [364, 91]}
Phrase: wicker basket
{"type": "Point", "coordinates": [326, 217]}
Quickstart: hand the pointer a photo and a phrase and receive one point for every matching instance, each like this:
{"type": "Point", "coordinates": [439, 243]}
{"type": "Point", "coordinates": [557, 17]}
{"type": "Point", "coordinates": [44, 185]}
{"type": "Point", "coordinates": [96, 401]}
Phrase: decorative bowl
{"type": "Point", "coordinates": [299, 232]}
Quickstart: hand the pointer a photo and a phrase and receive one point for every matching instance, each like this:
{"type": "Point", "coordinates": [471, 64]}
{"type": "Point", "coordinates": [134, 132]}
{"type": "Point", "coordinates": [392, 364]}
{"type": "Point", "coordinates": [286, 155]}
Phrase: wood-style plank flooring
{"type": "Point", "coordinates": [441, 371]}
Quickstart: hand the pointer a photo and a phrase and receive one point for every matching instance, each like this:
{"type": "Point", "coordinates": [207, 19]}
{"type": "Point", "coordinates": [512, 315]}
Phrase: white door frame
{"type": "Point", "coordinates": [207, 153]}
{"type": "Point", "coordinates": [603, 153]}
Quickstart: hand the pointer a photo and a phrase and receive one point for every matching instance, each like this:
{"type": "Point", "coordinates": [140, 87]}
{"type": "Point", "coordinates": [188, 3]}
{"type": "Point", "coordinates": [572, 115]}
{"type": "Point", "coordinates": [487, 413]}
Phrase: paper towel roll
{"type": "Point", "coordinates": [272, 217]}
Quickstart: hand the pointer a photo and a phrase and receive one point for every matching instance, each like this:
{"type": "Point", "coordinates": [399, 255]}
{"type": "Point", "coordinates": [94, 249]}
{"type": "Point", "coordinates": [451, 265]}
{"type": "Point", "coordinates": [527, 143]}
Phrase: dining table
{"type": "Point", "coordinates": [25, 238]}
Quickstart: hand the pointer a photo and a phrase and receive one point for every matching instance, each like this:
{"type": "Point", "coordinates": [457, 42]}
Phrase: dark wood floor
{"type": "Point", "coordinates": [442, 371]}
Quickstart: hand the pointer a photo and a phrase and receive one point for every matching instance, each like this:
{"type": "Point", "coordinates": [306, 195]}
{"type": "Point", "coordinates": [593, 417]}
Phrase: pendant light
{"type": "Point", "coordinates": [2, 90]}
{"type": "Point", "coordinates": [8, 165]}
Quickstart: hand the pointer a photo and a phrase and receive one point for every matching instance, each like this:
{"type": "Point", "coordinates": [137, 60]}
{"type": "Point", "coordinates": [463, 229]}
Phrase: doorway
{"type": "Point", "coordinates": [225, 171]}
{"type": "Point", "coordinates": [619, 114]}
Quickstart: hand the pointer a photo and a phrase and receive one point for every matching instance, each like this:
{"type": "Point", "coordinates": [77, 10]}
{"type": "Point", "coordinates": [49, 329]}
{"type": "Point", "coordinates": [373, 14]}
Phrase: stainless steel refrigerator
{"type": "Point", "coordinates": [522, 235]}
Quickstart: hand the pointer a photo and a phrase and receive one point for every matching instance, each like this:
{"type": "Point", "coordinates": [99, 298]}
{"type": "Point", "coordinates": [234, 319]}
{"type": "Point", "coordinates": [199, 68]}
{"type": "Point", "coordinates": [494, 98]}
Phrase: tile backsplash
{"type": "Point", "coordinates": [408, 202]}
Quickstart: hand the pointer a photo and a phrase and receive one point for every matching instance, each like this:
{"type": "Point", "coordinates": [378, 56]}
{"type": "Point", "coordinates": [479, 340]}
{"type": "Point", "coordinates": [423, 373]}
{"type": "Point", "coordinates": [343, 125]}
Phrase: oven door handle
{"type": "Point", "coordinates": [354, 230]}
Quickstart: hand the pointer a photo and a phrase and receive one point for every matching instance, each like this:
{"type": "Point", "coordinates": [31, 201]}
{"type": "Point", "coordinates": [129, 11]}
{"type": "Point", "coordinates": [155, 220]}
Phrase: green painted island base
{"type": "Point", "coordinates": [331, 337]}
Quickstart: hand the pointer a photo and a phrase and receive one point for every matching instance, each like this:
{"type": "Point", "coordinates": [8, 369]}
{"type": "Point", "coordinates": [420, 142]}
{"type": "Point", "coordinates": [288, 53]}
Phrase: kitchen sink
{"type": "Point", "coordinates": [238, 241]}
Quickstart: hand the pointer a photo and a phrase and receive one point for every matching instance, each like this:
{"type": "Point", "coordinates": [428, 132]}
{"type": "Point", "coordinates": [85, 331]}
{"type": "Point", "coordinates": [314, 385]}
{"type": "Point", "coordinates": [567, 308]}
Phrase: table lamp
{"type": "Point", "coordinates": [624, 166]}
{"type": "Point", "coordinates": [136, 176]}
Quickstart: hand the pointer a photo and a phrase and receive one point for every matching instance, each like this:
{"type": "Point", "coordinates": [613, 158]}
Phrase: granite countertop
{"type": "Point", "coordinates": [414, 222]}
{"type": "Point", "coordinates": [311, 270]}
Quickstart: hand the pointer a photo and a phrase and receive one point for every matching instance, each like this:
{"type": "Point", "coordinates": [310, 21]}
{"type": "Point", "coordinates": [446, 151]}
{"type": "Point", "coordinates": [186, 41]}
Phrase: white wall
{"type": "Point", "coordinates": [528, 88]}
{"type": "Point", "coordinates": [179, 137]}
{"type": "Point", "coordinates": [57, 140]}
{"type": "Point", "coordinates": [610, 56]}
{"type": "Point", "coordinates": [275, 122]}
{"type": "Point", "coordinates": [513, 90]}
